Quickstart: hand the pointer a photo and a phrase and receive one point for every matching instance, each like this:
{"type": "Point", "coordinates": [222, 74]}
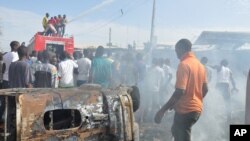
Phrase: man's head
{"type": "Point", "coordinates": [182, 46]}
{"type": "Point", "coordinates": [46, 56]}
{"type": "Point", "coordinates": [14, 45]}
{"type": "Point", "coordinates": [77, 55]}
{"type": "Point", "coordinates": [59, 16]}
{"type": "Point", "coordinates": [86, 52]}
{"type": "Point", "coordinates": [34, 53]}
{"type": "Point", "coordinates": [22, 52]}
{"type": "Point", "coordinates": [80, 55]}
{"type": "Point", "coordinates": [224, 63]}
{"type": "Point", "coordinates": [64, 55]}
{"type": "Point", "coordinates": [64, 16]}
{"type": "Point", "coordinates": [47, 15]}
{"type": "Point", "coordinates": [204, 60]}
{"type": "Point", "coordinates": [40, 56]}
{"type": "Point", "coordinates": [54, 60]}
{"type": "Point", "coordinates": [99, 51]}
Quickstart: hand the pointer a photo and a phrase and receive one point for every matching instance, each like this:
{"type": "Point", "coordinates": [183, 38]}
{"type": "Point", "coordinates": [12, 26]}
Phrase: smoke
{"type": "Point", "coordinates": [212, 124]}
{"type": "Point", "coordinates": [93, 9]}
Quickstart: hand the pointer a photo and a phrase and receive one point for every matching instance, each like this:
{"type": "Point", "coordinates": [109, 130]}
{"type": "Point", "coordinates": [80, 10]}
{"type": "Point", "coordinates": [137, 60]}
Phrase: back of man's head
{"type": "Point", "coordinates": [14, 45]}
{"type": "Point", "coordinates": [85, 52]}
{"type": "Point", "coordinates": [40, 56]}
{"type": "Point", "coordinates": [204, 60]}
{"type": "Point", "coordinates": [47, 15]}
{"type": "Point", "coordinates": [22, 52]}
{"type": "Point", "coordinates": [34, 53]}
{"type": "Point", "coordinates": [79, 55]}
{"type": "Point", "coordinates": [63, 56]}
{"type": "Point", "coordinates": [99, 51]}
{"type": "Point", "coordinates": [224, 62]}
{"type": "Point", "coordinates": [184, 44]}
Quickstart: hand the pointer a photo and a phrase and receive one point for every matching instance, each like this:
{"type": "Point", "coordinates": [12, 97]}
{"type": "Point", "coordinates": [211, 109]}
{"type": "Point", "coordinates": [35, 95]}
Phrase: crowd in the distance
{"type": "Point", "coordinates": [46, 69]}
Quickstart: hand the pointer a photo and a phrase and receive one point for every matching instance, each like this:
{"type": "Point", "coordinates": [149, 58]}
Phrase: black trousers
{"type": "Point", "coordinates": [182, 125]}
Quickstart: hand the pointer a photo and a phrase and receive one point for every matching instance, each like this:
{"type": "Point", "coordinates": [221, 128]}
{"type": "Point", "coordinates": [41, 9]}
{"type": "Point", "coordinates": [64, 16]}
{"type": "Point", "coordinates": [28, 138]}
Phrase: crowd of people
{"type": "Point", "coordinates": [47, 70]}
{"type": "Point", "coordinates": [54, 25]}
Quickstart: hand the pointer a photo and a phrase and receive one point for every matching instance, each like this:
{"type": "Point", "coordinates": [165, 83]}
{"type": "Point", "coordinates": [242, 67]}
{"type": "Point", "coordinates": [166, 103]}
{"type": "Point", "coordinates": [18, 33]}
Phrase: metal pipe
{"type": "Point", "coordinates": [152, 24]}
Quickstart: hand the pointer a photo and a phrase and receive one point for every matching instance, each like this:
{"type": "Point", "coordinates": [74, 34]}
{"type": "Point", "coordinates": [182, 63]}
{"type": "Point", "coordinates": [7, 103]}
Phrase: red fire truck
{"type": "Point", "coordinates": [52, 43]}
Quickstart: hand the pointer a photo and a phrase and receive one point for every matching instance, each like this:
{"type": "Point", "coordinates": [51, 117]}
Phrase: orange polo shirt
{"type": "Point", "coordinates": [190, 76]}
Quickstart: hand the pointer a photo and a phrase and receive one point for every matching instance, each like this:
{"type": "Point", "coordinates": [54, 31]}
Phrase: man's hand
{"type": "Point", "coordinates": [159, 115]}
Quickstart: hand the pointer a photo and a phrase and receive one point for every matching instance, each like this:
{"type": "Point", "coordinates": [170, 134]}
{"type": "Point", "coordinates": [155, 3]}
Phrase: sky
{"type": "Point", "coordinates": [130, 20]}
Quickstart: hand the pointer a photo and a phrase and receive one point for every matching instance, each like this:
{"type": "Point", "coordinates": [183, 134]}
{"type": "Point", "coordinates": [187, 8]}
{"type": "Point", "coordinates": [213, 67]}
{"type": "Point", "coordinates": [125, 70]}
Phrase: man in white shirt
{"type": "Point", "coordinates": [224, 78]}
{"type": "Point", "coordinates": [65, 71]}
{"type": "Point", "coordinates": [154, 82]}
{"type": "Point", "coordinates": [84, 65]}
{"type": "Point", "coordinates": [8, 58]}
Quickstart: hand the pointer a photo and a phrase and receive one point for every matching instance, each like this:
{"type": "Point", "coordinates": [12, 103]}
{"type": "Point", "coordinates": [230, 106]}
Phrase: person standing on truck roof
{"type": "Point", "coordinates": [59, 25]}
{"type": "Point", "coordinates": [45, 21]}
{"type": "Point", "coordinates": [191, 88]}
{"type": "Point", "coordinates": [56, 25]}
{"type": "Point", "coordinates": [7, 59]}
{"type": "Point", "coordinates": [66, 70]}
{"type": "Point", "coordinates": [20, 75]}
{"type": "Point", "coordinates": [50, 29]}
{"type": "Point", "coordinates": [64, 22]}
{"type": "Point", "coordinates": [101, 69]}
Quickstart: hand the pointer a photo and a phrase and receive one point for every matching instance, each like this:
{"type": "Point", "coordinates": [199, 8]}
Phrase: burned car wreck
{"type": "Point", "coordinates": [87, 113]}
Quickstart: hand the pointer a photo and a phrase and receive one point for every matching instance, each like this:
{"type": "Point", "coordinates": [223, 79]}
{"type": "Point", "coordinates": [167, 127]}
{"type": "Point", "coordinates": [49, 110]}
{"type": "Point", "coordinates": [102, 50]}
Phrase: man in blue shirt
{"type": "Point", "coordinates": [101, 69]}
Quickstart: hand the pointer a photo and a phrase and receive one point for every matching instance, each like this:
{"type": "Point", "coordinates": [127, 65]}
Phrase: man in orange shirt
{"type": "Point", "coordinates": [191, 88]}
